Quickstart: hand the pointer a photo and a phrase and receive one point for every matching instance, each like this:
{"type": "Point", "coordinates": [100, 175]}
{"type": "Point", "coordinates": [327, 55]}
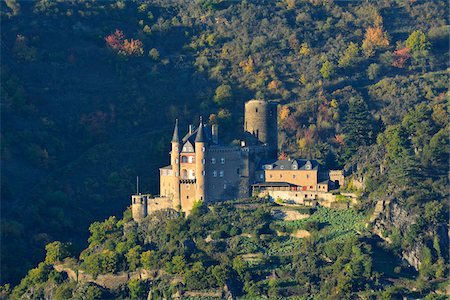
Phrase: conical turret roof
{"type": "Point", "coordinates": [175, 137]}
{"type": "Point", "coordinates": [201, 136]}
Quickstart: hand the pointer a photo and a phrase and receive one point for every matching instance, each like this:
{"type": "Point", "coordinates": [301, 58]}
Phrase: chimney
{"type": "Point", "coordinates": [191, 128]}
{"type": "Point", "coordinates": [215, 133]}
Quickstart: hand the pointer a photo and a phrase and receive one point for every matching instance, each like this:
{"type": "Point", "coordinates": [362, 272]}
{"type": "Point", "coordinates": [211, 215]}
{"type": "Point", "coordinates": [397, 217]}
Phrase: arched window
{"type": "Point", "coordinates": [191, 159]}
{"type": "Point", "coordinates": [184, 174]}
{"type": "Point", "coordinates": [184, 159]}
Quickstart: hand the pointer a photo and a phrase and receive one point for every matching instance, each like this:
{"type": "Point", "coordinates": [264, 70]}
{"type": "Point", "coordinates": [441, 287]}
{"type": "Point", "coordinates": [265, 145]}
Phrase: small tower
{"type": "Point", "coordinates": [175, 163]}
{"type": "Point", "coordinates": [200, 161]}
{"type": "Point", "coordinates": [139, 207]}
{"type": "Point", "coordinates": [261, 122]}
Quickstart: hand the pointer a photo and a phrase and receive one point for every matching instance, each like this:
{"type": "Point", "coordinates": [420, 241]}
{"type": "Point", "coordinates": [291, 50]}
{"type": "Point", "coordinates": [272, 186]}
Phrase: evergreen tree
{"type": "Point", "coordinates": [357, 127]}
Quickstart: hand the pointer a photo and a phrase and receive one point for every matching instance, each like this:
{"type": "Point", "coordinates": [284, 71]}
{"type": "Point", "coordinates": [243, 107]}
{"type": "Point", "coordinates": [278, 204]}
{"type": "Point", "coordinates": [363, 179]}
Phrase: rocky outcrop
{"type": "Point", "coordinates": [108, 281]}
{"type": "Point", "coordinates": [388, 215]}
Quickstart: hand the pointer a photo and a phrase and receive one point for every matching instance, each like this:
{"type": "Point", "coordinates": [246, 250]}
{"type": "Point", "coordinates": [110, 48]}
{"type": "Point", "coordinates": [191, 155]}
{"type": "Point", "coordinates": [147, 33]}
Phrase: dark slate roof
{"type": "Point", "coordinates": [201, 135]}
{"type": "Point", "coordinates": [293, 164]}
{"type": "Point", "coordinates": [175, 136]}
{"type": "Point", "coordinates": [192, 136]}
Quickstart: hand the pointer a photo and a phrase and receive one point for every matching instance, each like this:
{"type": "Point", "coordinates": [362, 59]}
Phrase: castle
{"type": "Point", "coordinates": [202, 169]}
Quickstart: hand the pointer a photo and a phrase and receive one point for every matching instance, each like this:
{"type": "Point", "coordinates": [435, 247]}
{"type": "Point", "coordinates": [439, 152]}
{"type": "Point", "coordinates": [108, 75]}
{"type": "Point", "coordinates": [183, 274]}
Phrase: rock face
{"type": "Point", "coordinates": [387, 215]}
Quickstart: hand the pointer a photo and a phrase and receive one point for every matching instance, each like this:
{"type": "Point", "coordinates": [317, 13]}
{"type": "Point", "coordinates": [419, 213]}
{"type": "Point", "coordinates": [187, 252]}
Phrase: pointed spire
{"type": "Point", "coordinates": [200, 134]}
{"type": "Point", "coordinates": [175, 137]}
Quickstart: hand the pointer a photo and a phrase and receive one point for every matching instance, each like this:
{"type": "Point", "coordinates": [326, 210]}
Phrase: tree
{"type": "Point", "coordinates": [373, 71]}
{"type": "Point", "coordinates": [56, 252]}
{"type": "Point", "coordinates": [327, 69]}
{"type": "Point", "coordinates": [350, 56]}
{"type": "Point", "coordinates": [419, 47]}
{"type": "Point", "coordinates": [149, 259]}
{"type": "Point", "coordinates": [434, 213]}
{"type": "Point", "coordinates": [223, 94]}
{"type": "Point", "coordinates": [417, 41]}
{"type": "Point", "coordinates": [375, 38]}
{"type": "Point", "coordinates": [357, 126]}
{"type": "Point", "coordinates": [154, 54]}
{"type": "Point", "coordinates": [133, 257]}
{"type": "Point", "coordinates": [138, 289]}
{"type": "Point", "coordinates": [221, 273]}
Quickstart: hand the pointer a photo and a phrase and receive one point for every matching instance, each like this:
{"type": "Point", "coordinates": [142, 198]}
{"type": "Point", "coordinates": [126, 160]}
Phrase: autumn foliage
{"type": "Point", "coordinates": [401, 56]}
{"type": "Point", "coordinates": [123, 46]}
{"type": "Point", "coordinates": [374, 38]}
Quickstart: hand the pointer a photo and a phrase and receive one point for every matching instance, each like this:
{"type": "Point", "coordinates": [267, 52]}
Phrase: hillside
{"type": "Point", "coordinates": [90, 90]}
{"type": "Point", "coordinates": [234, 249]}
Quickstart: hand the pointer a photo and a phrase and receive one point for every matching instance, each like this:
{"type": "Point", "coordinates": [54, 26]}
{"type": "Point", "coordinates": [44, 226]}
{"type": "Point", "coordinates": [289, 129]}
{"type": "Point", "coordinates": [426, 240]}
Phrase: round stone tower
{"type": "Point", "coordinates": [261, 122]}
{"type": "Point", "coordinates": [139, 207]}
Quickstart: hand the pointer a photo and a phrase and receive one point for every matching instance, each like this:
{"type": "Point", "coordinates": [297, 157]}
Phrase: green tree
{"type": "Point", "coordinates": [221, 273]}
{"type": "Point", "coordinates": [373, 71]}
{"type": "Point", "coordinates": [434, 213]}
{"type": "Point", "coordinates": [350, 56]}
{"type": "Point", "coordinates": [327, 69]}
{"type": "Point", "coordinates": [138, 289]}
{"type": "Point", "coordinates": [417, 41]}
{"type": "Point", "coordinates": [149, 260]}
{"type": "Point", "coordinates": [223, 94]}
{"type": "Point", "coordinates": [133, 257]}
{"type": "Point", "coordinates": [56, 252]}
{"type": "Point", "coordinates": [357, 126]}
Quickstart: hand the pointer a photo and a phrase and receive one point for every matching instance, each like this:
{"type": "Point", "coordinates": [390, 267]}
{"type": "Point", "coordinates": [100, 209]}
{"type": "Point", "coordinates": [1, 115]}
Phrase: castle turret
{"type": "Point", "coordinates": [139, 207]}
{"type": "Point", "coordinates": [200, 161]}
{"type": "Point", "coordinates": [261, 122]}
{"type": "Point", "coordinates": [175, 163]}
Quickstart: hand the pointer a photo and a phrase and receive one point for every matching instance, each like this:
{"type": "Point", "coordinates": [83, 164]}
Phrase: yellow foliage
{"type": "Point", "coordinates": [273, 85]}
{"type": "Point", "coordinates": [284, 113]}
{"type": "Point", "coordinates": [304, 50]}
{"type": "Point", "coordinates": [375, 38]}
{"type": "Point", "coordinates": [247, 65]}
{"type": "Point", "coordinates": [302, 143]}
{"type": "Point", "coordinates": [302, 79]}
{"type": "Point", "coordinates": [334, 103]}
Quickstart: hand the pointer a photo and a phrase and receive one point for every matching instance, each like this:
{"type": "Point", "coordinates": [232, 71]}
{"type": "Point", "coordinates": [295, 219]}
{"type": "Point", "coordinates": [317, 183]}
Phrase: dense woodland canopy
{"type": "Point", "coordinates": [90, 91]}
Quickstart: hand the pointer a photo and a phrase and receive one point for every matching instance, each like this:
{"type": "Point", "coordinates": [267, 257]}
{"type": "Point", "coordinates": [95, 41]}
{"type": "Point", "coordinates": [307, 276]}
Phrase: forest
{"type": "Point", "coordinates": [89, 93]}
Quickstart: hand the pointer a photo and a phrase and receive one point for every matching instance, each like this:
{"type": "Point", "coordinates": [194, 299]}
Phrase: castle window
{"type": "Point", "coordinates": [282, 167]}
{"type": "Point", "coordinates": [203, 149]}
{"type": "Point", "coordinates": [257, 133]}
{"type": "Point", "coordinates": [261, 176]}
{"type": "Point", "coordinates": [270, 175]}
{"type": "Point", "coordinates": [293, 176]}
{"type": "Point", "coordinates": [256, 109]}
{"type": "Point", "coordinates": [203, 161]}
{"type": "Point", "coordinates": [307, 176]}
{"type": "Point", "coordinates": [310, 186]}
{"type": "Point", "coordinates": [214, 173]}
{"type": "Point", "coordinates": [281, 175]}
{"type": "Point", "coordinates": [184, 159]}
{"type": "Point", "coordinates": [213, 160]}
{"type": "Point", "coordinates": [188, 186]}
{"type": "Point", "coordinates": [191, 159]}
{"type": "Point", "coordinates": [237, 171]}
{"type": "Point", "coordinates": [222, 160]}
{"type": "Point", "coordinates": [224, 186]}
{"type": "Point", "coordinates": [203, 173]}
{"type": "Point", "coordinates": [221, 174]}
{"type": "Point", "coordinates": [192, 173]}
